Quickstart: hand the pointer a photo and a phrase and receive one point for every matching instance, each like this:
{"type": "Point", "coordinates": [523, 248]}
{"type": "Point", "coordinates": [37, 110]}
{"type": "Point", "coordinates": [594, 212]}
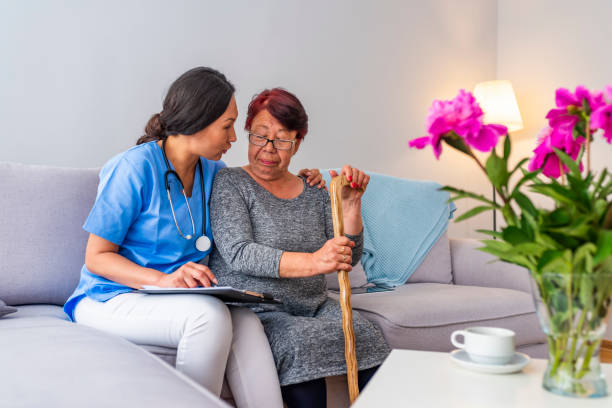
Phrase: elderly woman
{"type": "Point", "coordinates": [274, 233]}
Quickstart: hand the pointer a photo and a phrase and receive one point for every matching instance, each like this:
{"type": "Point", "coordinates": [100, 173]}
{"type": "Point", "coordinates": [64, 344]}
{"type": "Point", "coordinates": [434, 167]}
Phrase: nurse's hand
{"type": "Point", "coordinates": [190, 275]}
{"type": "Point", "coordinates": [313, 177]}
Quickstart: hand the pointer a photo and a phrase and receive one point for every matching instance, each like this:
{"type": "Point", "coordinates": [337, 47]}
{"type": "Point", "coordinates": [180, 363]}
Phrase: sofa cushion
{"type": "Point", "coordinates": [422, 316]}
{"type": "Point", "coordinates": [4, 309]}
{"type": "Point", "coordinates": [55, 363]}
{"type": "Point", "coordinates": [435, 268]}
{"type": "Point", "coordinates": [357, 277]}
{"type": "Point", "coordinates": [472, 267]}
{"type": "Point", "coordinates": [31, 311]}
{"type": "Point", "coordinates": [42, 244]}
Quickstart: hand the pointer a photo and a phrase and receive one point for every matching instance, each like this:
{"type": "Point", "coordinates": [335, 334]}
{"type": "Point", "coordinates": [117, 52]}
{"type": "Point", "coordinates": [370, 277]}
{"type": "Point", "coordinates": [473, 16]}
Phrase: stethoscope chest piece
{"type": "Point", "coordinates": [203, 243]}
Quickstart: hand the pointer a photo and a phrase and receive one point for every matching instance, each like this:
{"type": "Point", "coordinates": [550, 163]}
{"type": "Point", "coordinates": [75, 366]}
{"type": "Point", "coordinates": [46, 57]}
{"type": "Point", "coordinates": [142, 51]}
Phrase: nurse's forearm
{"type": "Point", "coordinates": [117, 268]}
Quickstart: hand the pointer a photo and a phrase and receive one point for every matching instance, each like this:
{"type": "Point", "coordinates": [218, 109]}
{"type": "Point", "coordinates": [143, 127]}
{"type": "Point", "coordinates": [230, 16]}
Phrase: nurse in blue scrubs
{"type": "Point", "coordinates": [150, 226]}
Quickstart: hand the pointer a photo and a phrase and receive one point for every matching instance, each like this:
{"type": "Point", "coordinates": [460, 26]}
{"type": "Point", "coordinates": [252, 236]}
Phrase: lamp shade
{"type": "Point", "coordinates": [497, 100]}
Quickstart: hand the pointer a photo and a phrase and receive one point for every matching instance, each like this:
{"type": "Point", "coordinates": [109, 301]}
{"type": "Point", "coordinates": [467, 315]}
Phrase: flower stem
{"type": "Point", "coordinates": [587, 129]}
{"type": "Point", "coordinates": [587, 358]}
{"type": "Point", "coordinates": [575, 333]}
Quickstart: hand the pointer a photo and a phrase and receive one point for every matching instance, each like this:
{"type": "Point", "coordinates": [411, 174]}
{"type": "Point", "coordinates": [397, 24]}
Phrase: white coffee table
{"type": "Point", "coordinates": [429, 379]}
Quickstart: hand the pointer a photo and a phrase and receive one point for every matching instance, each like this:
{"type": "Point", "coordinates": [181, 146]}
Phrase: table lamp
{"type": "Point", "coordinates": [498, 102]}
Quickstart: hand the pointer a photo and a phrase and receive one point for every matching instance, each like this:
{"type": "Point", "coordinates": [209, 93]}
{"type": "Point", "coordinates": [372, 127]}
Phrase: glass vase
{"type": "Point", "coordinates": [573, 311]}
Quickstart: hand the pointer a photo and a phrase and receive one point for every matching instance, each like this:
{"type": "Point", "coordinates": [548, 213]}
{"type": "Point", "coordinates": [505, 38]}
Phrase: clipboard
{"type": "Point", "coordinates": [225, 293]}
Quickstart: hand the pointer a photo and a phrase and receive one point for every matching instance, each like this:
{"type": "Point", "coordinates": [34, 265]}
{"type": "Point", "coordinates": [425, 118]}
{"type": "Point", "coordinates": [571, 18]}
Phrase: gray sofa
{"type": "Point", "coordinates": [48, 361]}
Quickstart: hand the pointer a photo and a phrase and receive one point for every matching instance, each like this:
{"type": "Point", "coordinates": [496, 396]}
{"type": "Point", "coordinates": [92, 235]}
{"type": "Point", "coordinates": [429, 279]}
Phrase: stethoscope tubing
{"type": "Point", "coordinates": [169, 172]}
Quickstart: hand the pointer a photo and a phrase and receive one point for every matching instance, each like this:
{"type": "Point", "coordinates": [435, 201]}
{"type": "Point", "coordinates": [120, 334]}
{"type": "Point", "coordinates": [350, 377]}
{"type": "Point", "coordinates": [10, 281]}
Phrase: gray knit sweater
{"type": "Point", "coordinates": [252, 228]}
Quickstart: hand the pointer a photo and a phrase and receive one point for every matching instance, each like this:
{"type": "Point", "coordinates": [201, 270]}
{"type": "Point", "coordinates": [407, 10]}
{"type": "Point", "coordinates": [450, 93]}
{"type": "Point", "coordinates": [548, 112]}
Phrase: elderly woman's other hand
{"type": "Point", "coordinates": [358, 183]}
{"type": "Point", "coordinates": [313, 177]}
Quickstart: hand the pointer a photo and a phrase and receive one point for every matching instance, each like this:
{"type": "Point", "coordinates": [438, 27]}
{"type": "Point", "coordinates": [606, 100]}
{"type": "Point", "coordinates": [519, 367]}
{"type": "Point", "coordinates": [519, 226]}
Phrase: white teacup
{"type": "Point", "coordinates": [486, 345]}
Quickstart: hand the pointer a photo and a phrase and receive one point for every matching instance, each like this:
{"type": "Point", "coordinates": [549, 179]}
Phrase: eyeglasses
{"type": "Point", "coordinates": [279, 144]}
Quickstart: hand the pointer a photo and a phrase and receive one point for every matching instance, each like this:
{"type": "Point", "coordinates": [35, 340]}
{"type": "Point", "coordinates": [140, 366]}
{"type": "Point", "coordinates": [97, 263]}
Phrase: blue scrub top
{"type": "Point", "coordinates": [132, 210]}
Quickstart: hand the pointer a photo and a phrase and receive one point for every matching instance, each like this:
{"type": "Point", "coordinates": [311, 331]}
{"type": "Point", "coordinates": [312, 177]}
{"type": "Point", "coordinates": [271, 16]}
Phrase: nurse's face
{"type": "Point", "coordinates": [216, 139]}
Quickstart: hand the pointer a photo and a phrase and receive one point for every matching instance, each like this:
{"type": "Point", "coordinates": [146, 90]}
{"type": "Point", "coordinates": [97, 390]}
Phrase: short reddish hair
{"type": "Point", "coordinates": [284, 106]}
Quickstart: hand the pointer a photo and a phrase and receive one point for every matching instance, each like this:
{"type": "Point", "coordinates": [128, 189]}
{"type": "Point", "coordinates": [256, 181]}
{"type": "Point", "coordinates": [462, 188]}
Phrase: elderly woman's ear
{"type": "Point", "coordinates": [297, 145]}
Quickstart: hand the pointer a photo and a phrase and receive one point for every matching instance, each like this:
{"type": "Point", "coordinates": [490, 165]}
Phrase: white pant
{"type": "Point", "coordinates": [202, 329]}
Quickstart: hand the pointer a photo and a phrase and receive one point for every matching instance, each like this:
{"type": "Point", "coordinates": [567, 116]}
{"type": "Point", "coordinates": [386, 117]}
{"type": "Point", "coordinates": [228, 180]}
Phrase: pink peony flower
{"type": "Point", "coordinates": [420, 142]}
{"type": "Point", "coordinates": [487, 137]}
{"type": "Point", "coordinates": [565, 99]}
{"type": "Point", "coordinates": [463, 116]}
{"type": "Point", "coordinates": [608, 93]}
{"type": "Point", "coordinates": [561, 118]}
{"type": "Point", "coordinates": [602, 119]}
{"type": "Point", "coordinates": [545, 157]}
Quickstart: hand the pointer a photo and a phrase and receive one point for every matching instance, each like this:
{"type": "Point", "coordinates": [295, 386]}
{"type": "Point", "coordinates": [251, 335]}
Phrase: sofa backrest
{"type": "Point", "coordinates": [42, 243]}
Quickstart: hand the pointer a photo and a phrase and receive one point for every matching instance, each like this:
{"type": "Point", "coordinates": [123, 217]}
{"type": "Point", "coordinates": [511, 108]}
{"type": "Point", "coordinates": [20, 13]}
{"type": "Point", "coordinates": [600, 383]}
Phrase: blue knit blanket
{"type": "Point", "coordinates": [402, 220]}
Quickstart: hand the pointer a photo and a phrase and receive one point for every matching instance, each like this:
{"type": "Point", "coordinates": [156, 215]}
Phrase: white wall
{"type": "Point", "coordinates": [79, 79]}
{"type": "Point", "coordinates": [547, 44]}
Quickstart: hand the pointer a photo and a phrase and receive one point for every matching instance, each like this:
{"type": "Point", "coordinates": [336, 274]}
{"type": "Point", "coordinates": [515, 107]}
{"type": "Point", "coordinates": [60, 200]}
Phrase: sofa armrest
{"type": "Point", "coordinates": [472, 267]}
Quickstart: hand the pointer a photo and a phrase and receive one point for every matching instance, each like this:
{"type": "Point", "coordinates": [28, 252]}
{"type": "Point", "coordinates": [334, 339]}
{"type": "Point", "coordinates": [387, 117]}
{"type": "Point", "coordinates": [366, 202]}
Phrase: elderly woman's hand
{"type": "Point", "coordinates": [335, 255]}
{"type": "Point", "coordinates": [313, 177]}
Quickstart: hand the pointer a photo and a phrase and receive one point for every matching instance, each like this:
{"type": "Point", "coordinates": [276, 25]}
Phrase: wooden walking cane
{"type": "Point", "coordinates": [335, 191]}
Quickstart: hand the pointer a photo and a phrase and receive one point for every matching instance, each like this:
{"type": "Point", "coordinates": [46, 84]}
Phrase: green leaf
{"type": "Point", "coordinates": [466, 194]}
{"type": "Point", "coordinates": [555, 262]}
{"type": "Point", "coordinates": [507, 147]}
{"type": "Point", "coordinates": [560, 322]}
{"type": "Point", "coordinates": [583, 258]}
{"type": "Point", "coordinates": [518, 165]}
{"type": "Point", "coordinates": [527, 227]}
{"type": "Point", "coordinates": [546, 241]}
{"type": "Point", "coordinates": [523, 180]}
{"type": "Point", "coordinates": [569, 162]}
{"type": "Point", "coordinates": [515, 235]}
{"type": "Point", "coordinates": [525, 203]}
{"type": "Point", "coordinates": [600, 181]}
{"type": "Point", "coordinates": [491, 233]}
{"type": "Point", "coordinates": [585, 293]}
{"type": "Point", "coordinates": [579, 228]}
{"type": "Point", "coordinates": [559, 301]}
{"type": "Point", "coordinates": [497, 170]}
{"type": "Point", "coordinates": [564, 241]}
{"type": "Point", "coordinates": [530, 248]}
{"type": "Point", "coordinates": [600, 208]}
{"type": "Point", "coordinates": [558, 217]}
{"type": "Point", "coordinates": [474, 211]}
{"type": "Point", "coordinates": [556, 192]}
{"type": "Point", "coordinates": [497, 245]}
{"type": "Point", "coordinates": [509, 256]}
{"type": "Point", "coordinates": [604, 246]}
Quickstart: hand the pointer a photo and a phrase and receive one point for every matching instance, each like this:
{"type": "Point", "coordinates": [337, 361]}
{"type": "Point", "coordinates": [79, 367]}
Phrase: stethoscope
{"type": "Point", "coordinates": [202, 243]}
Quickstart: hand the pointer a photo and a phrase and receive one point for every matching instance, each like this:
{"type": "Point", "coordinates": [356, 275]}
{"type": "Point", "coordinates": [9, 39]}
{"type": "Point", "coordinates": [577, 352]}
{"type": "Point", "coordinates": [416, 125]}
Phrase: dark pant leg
{"type": "Point", "coordinates": [364, 376]}
{"type": "Point", "coordinates": [309, 394]}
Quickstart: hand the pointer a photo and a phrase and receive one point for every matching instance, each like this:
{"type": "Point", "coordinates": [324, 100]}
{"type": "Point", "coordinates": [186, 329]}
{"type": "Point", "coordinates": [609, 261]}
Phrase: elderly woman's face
{"type": "Point", "coordinates": [269, 162]}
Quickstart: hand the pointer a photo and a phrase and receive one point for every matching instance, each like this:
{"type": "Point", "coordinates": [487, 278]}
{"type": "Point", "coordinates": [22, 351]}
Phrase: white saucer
{"type": "Point", "coordinates": [519, 360]}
